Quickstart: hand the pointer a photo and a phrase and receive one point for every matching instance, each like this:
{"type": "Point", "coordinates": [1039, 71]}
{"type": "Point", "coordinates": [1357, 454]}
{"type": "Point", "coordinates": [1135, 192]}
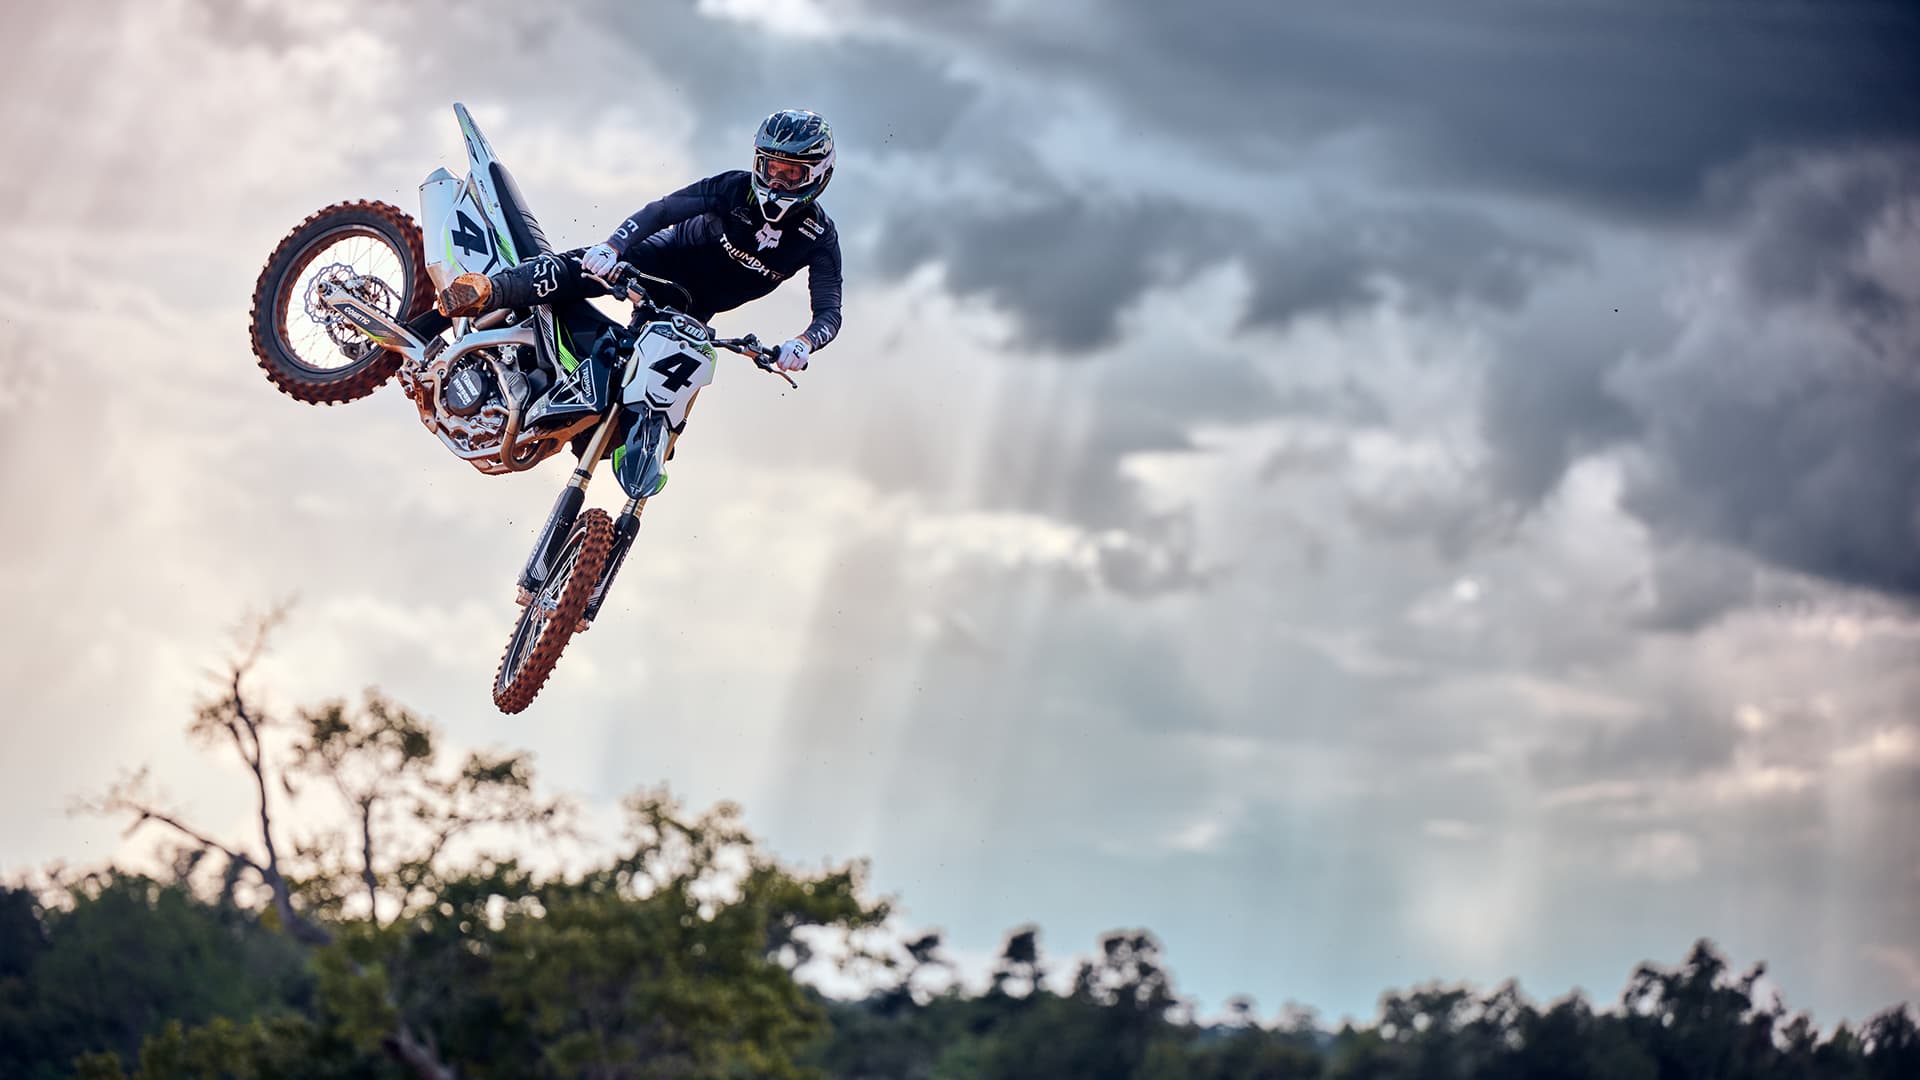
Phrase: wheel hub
{"type": "Point", "coordinates": [343, 333]}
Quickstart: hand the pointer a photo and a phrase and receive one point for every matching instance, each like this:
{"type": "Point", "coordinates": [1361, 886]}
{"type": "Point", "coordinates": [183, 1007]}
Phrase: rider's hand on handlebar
{"type": "Point", "coordinates": [599, 260]}
{"type": "Point", "coordinates": [793, 355]}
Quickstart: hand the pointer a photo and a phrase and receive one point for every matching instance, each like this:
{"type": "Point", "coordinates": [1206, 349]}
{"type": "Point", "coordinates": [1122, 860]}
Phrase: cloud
{"type": "Point", "coordinates": [1100, 257]}
{"type": "Point", "coordinates": [1454, 498]}
{"type": "Point", "coordinates": [1663, 855]}
{"type": "Point", "coordinates": [1546, 404]}
{"type": "Point", "coordinates": [1450, 829]}
{"type": "Point", "coordinates": [1628, 107]}
{"type": "Point", "coordinates": [1661, 746]}
{"type": "Point", "coordinates": [1693, 584]}
{"type": "Point", "coordinates": [1762, 407]}
{"type": "Point", "coordinates": [1104, 252]}
{"type": "Point", "coordinates": [1820, 226]}
{"type": "Point", "coordinates": [1902, 962]}
{"type": "Point", "coordinates": [1364, 257]}
{"type": "Point", "coordinates": [1772, 424]}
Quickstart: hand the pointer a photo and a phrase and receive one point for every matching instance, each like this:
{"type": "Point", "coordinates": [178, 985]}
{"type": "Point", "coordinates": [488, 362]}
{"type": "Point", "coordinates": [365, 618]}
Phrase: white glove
{"type": "Point", "coordinates": [793, 355]}
{"type": "Point", "coordinates": [599, 260]}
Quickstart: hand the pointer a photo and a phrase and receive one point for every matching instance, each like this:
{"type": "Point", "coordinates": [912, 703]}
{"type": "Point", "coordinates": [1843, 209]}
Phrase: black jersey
{"type": "Point", "coordinates": [710, 237]}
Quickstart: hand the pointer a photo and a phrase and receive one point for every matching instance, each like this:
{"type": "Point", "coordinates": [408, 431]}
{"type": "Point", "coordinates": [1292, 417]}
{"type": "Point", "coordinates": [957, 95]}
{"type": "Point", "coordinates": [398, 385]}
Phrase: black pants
{"type": "Point", "coordinates": [546, 279]}
{"type": "Point", "coordinates": [554, 278]}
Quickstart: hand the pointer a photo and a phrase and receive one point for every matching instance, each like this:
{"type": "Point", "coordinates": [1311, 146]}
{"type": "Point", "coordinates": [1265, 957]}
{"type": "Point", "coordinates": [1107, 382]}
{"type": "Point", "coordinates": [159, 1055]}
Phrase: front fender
{"type": "Point", "coordinates": [639, 462]}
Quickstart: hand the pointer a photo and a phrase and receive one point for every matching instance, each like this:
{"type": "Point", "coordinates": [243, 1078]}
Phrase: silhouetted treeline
{"type": "Point", "coordinates": [390, 932]}
{"type": "Point", "coordinates": [119, 975]}
{"type": "Point", "coordinates": [1121, 1020]}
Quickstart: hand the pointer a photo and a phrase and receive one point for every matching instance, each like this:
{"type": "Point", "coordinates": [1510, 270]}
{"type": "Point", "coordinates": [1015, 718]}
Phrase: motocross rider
{"type": "Point", "coordinates": [727, 239]}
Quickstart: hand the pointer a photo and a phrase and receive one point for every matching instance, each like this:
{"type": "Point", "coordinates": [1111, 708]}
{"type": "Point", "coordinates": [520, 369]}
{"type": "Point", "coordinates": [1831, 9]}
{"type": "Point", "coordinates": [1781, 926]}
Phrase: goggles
{"type": "Point", "coordinates": [782, 174]}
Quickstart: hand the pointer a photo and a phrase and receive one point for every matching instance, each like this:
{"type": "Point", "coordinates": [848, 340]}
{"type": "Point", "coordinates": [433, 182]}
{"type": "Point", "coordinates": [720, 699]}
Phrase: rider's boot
{"type": "Point", "coordinates": [468, 295]}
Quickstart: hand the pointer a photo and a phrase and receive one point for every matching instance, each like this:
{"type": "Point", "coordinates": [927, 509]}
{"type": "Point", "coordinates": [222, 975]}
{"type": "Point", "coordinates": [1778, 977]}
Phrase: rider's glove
{"type": "Point", "coordinates": [599, 260]}
{"type": "Point", "coordinates": [793, 355]}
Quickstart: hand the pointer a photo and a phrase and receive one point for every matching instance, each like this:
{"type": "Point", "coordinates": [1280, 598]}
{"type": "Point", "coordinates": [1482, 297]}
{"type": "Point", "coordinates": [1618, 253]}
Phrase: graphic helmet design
{"type": "Point", "coordinates": [792, 161]}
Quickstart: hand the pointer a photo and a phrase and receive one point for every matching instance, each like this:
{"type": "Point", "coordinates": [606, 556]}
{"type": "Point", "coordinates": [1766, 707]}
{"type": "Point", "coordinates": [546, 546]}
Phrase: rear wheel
{"type": "Point", "coordinates": [550, 618]}
{"type": "Point", "coordinates": [312, 353]}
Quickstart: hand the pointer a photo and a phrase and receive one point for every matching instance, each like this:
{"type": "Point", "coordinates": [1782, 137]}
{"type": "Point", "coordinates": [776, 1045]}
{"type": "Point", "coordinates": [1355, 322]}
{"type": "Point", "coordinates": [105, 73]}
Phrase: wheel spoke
{"type": "Point", "coordinates": [321, 340]}
{"type": "Point", "coordinates": [540, 611]}
{"type": "Point", "coordinates": [554, 612]}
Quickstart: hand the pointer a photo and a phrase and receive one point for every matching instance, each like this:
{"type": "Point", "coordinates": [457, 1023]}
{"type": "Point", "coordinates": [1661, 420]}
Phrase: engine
{"type": "Point", "coordinates": [470, 385]}
{"type": "Point", "coordinates": [473, 403]}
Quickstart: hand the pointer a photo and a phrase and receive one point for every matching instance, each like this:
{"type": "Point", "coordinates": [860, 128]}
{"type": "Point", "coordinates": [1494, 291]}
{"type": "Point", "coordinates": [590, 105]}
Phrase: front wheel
{"type": "Point", "coordinates": [311, 352]}
{"type": "Point", "coordinates": [549, 619]}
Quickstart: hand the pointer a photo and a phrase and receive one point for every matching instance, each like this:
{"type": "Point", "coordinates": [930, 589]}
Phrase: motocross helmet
{"type": "Point", "coordinates": [792, 161]}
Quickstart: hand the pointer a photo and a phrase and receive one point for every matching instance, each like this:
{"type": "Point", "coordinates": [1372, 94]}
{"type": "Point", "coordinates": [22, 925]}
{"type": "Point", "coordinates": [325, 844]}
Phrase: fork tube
{"type": "Point", "coordinates": [596, 448]}
{"type": "Point", "coordinates": [567, 507]}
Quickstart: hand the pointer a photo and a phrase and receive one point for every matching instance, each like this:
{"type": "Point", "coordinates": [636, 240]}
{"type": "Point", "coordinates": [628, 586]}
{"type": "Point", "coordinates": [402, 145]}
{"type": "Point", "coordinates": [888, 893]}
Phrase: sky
{"type": "Point", "coordinates": [1372, 492]}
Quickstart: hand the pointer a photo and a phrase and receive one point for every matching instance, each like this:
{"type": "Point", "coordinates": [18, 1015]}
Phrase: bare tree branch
{"type": "Point", "coordinates": [233, 715]}
{"type": "Point", "coordinates": [366, 860]}
{"type": "Point", "coordinates": [298, 926]}
{"type": "Point", "coordinates": [146, 814]}
{"type": "Point", "coordinates": [402, 1043]}
{"type": "Point", "coordinates": [124, 798]}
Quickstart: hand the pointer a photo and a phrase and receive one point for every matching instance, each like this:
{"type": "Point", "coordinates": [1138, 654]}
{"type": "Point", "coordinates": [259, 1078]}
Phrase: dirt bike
{"type": "Point", "coordinates": [346, 302]}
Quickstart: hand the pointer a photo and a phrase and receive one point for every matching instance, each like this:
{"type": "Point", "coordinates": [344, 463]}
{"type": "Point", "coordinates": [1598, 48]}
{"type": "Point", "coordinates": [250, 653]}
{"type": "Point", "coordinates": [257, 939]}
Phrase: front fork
{"type": "Point", "coordinates": [624, 528]}
{"type": "Point", "coordinates": [565, 509]}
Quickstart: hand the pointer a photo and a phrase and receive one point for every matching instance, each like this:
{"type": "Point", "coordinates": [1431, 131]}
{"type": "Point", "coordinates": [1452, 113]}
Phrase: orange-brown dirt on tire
{"type": "Point", "coordinates": [594, 550]}
{"type": "Point", "coordinates": [276, 280]}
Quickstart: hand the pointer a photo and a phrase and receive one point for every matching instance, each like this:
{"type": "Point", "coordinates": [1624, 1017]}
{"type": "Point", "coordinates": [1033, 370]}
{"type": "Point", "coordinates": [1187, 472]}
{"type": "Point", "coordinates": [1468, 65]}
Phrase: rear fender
{"type": "Point", "coordinates": [465, 227]}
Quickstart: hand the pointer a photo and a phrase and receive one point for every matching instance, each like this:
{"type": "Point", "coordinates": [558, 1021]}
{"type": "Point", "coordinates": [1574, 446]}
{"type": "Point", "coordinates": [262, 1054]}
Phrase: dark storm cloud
{"type": "Point", "coordinates": [880, 95]}
{"type": "Point", "coordinates": [1546, 403]}
{"type": "Point", "coordinates": [1800, 446]}
{"type": "Point", "coordinates": [1629, 106]}
{"type": "Point", "coordinates": [727, 73]}
{"type": "Point", "coordinates": [1438, 255]}
{"type": "Point", "coordinates": [1070, 265]}
{"type": "Point", "coordinates": [1774, 415]}
{"type": "Point", "coordinates": [1824, 478]}
{"type": "Point", "coordinates": [1067, 266]}
{"type": "Point", "coordinates": [1813, 234]}
{"type": "Point", "coordinates": [1694, 585]}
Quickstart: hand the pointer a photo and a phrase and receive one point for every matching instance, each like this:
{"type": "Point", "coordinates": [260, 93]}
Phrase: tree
{"type": "Point", "coordinates": [1893, 1045]}
{"type": "Point", "coordinates": [1019, 965]}
{"type": "Point", "coordinates": [675, 957]}
{"type": "Point", "coordinates": [123, 955]}
{"type": "Point", "coordinates": [399, 930]}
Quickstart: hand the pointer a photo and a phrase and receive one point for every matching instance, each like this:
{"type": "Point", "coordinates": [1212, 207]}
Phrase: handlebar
{"type": "Point", "coordinates": [761, 356]}
{"type": "Point", "coordinates": [626, 278]}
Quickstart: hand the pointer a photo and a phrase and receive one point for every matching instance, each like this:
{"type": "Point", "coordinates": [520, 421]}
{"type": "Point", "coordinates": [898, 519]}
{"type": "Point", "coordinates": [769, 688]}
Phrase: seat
{"type": "Point", "coordinates": [528, 238]}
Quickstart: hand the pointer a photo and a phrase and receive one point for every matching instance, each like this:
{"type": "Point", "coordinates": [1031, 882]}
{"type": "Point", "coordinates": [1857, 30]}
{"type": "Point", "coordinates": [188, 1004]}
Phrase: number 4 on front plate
{"type": "Point", "coordinates": [677, 371]}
